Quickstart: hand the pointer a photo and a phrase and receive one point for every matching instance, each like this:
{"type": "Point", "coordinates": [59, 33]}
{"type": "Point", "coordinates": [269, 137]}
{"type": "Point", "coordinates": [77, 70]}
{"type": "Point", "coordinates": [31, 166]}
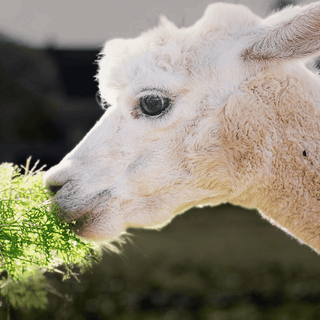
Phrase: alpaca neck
{"type": "Point", "coordinates": [291, 206]}
{"type": "Point", "coordinates": [275, 130]}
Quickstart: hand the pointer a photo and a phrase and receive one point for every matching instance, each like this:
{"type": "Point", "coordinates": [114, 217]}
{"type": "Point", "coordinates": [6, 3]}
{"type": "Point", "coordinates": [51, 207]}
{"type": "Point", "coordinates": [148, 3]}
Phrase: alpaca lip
{"type": "Point", "coordinates": [69, 216]}
{"type": "Point", "coordinates": [79, 223]}
{"type": "Point", "coordinates": [82, 223]}
{"type": "Point", "coordinates": [83, 211]}
{"type": "Point", "coordinates": [82, 217]}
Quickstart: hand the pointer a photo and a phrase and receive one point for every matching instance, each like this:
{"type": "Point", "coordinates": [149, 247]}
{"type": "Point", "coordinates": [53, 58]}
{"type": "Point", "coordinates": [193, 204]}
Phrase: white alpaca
{"type": "Point", "coordinates": [223, 111]}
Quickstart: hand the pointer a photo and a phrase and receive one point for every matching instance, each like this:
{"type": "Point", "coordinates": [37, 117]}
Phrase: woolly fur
{"type": "Point", "coordinates": [242, 126]}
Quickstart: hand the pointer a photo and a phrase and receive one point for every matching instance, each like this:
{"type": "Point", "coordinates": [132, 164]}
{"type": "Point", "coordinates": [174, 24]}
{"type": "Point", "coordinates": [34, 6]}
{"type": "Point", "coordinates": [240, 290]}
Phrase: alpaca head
{"type": "Point", "coordinates": [159, 149]}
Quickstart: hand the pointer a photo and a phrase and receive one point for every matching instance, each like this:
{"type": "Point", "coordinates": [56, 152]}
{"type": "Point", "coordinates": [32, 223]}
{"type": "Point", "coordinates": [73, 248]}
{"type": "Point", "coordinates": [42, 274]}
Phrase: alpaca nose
{"type": "Point", "coordinates": [53, 188]}
{"type": "Point", "coordinates": [55, 178]}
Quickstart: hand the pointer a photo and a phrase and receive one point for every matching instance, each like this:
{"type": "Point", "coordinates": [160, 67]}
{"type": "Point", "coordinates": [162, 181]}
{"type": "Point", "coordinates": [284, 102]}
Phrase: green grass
{"type": "Point", "coordinates": [32, 241]}
{"type": "Point", "coordinates": [30, 235]}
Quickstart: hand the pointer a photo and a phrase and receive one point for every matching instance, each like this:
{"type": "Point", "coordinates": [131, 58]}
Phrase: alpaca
{"type": "Point", "coordinates": [222, 111]}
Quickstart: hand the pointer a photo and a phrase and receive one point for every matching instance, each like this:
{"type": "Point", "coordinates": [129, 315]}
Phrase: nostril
{"type": "Point", "coordinates": [54, 179]}
{"type": "Point", "coordinates": [54, 188]}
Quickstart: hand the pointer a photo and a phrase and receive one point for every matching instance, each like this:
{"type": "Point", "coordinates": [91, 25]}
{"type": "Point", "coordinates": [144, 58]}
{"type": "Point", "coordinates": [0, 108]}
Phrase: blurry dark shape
{"type": "Point", "coordinates": [25, 115]}
{"type": "Point", "coordinates": [32, 69]}
{"type": "Point", "coordinates": [281, 4]}
{"type": "Point", "coordinates": [47, 101]}
{"type": "Point", "coordinates": [80, 65]}
{"type": "Point", "coordinates": [3, 275]}
{"type": "Point", "coordinates": [26, 119]}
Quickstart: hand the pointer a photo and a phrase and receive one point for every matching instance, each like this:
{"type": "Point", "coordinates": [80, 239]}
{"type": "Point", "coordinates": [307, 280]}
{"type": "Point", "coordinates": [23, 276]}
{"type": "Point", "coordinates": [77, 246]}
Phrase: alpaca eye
{"type": "Point", "coordinates": [153, 105]}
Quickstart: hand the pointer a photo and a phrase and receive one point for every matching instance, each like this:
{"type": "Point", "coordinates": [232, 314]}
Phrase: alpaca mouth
{"type": "Point", "coordinates": [79, 225]}
{"type": "Point", "coordinates": [79, 210]}
{"type": "Point", "coordinates": [77, 222]}
{"type": "Point", "coordinates": [80, 217]}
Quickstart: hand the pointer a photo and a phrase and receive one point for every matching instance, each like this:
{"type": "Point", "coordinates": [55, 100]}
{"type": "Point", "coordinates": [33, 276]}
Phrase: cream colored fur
{"type": "Point", "coordinates": [243, 126]}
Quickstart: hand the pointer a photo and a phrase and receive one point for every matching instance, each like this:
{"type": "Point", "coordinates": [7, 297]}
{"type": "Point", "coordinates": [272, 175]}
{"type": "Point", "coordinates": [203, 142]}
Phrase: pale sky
{"type": "Point", "coordinates": [89, 23]}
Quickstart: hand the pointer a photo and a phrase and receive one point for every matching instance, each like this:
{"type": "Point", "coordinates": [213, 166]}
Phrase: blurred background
{"type": "Point", "coordinates": [212, 263]}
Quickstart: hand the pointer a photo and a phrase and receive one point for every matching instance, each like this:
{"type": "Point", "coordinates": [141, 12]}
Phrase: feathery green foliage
{"type": "Point", "coordinates": [31, 239]}
{"type": "Point", "coordinates": [27, 293]}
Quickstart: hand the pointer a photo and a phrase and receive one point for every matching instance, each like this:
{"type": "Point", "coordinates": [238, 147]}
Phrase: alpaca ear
{"type": "Point", "coordinates": [296, 35]}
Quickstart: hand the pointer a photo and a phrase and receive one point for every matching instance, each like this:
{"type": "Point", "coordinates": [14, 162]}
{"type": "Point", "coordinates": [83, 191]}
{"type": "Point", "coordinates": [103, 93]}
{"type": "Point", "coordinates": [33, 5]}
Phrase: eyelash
{"type": "Point", "coordinates": [145, 93]}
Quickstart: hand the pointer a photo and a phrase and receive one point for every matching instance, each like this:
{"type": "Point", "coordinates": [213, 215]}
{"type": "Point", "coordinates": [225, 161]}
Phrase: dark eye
{"type": "Point", "coordinates": [153, 105]}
